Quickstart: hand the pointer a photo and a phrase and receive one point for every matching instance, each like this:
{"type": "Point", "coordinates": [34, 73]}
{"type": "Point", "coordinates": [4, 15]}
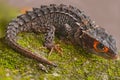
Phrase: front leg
{"type": "Point", "coordinates": [49, 37]}
{"type": "Point", "coordinates": [49, 40]}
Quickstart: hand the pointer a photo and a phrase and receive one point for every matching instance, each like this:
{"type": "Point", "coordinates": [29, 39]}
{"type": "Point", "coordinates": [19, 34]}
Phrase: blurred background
{"type": "Point", "coordinates": [104, 12]}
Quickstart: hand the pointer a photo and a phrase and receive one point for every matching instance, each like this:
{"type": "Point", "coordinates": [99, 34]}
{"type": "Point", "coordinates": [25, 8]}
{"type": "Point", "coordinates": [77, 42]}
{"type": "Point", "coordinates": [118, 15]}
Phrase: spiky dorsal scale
{"type": "Point", "coordinates": [12, 30]}
{"type": "Point", "coordinates": [38, 12]}
{"type": "Point", "coordinates": [45, 9]}
{"type": "Point", "coordinates": [43, 6]}
{"type": "Point", "coordinates": [70, 10]}
{"type": "Point", "coordinates": [19, 21]}
{"type": "Point", "coordinates": [53, 7]}
{"type": "Point", "coordinates": [31, 14]}
{"type": "Point", "coordinates": [13, 27]}
{"type": "Point", "coordinates": [25, 17]}
{"type": "Point", "coordinates": [63, 8]}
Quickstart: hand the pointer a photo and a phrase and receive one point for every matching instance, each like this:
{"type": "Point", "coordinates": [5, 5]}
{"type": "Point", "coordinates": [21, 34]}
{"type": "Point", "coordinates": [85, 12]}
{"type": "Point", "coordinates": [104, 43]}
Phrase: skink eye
{"type": "Point", "coordinates": [99, 47]}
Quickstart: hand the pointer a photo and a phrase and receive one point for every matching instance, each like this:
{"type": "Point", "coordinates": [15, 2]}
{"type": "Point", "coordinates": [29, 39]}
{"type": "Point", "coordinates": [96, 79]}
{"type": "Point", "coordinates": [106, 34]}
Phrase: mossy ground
{"type": "Point", "coordinates": [75, 64]}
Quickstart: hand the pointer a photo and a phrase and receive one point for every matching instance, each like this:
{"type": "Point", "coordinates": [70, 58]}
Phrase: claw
{"type": "Point", "coordinates": [56, 48]}
{"type": "Point", "coordinates": [50, 51]}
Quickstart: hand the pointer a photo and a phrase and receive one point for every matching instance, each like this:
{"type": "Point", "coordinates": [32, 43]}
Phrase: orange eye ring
{"type": "Point", "coordinates": [106, 49]}
{"type": "Point", "coordinates": [96, 43]}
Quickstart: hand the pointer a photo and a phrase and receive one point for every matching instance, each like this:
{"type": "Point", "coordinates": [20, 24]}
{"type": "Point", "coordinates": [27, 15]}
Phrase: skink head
{"type": "Point", "coordinates": [100, 42]}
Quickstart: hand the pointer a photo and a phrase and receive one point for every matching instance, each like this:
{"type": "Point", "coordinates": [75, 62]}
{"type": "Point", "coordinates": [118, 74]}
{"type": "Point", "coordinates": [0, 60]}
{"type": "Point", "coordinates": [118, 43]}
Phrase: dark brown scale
{"type": "Point", "coordinates": [38, 12]}
{"type": "Point", "coordinates": [52, 8]}
{"type": "Point", "coordinates": [43, 6]}
{"type": "Point", "coordinates": [66, 21]}
{"type": "Point", "coordinates": [25, 17]}
{"type": "Point", "coordinates": [45, 9]}
{"type": "Point", "coordinates": [31, 14]}
{"type": "Point", "coordinates": [19, 21]}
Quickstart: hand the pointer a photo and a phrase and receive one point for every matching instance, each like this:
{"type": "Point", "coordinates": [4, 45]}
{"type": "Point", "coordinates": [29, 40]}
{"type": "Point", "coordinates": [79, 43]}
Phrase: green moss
{"type": "Point", "coordinates": [75, 64]}
{"type": "Point", "coordinates": [4, 75]}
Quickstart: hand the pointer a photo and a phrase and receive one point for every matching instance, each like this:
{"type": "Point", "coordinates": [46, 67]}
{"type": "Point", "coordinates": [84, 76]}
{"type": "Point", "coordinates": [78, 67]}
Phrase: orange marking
{"type": "Point", "coordinates": [23, 11]}
{"type": "Point", "coordinates": [95, 45]}
{"type": "Point", "coordinates": [105, 49]}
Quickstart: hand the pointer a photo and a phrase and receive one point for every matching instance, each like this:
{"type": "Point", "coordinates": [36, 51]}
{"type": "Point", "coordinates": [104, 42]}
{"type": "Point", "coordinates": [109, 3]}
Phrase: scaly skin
{"type": "Point", "coordinates": [68, 23]}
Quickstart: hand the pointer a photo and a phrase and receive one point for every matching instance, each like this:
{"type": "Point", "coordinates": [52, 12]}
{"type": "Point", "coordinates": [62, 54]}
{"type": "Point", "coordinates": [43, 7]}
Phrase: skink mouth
{"type": "Point", "coordinates": [112, 56]}
{"type": "Point", "coordinates": [109, 56]}
{"type": "Point", "coordinates": [115, 57]}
